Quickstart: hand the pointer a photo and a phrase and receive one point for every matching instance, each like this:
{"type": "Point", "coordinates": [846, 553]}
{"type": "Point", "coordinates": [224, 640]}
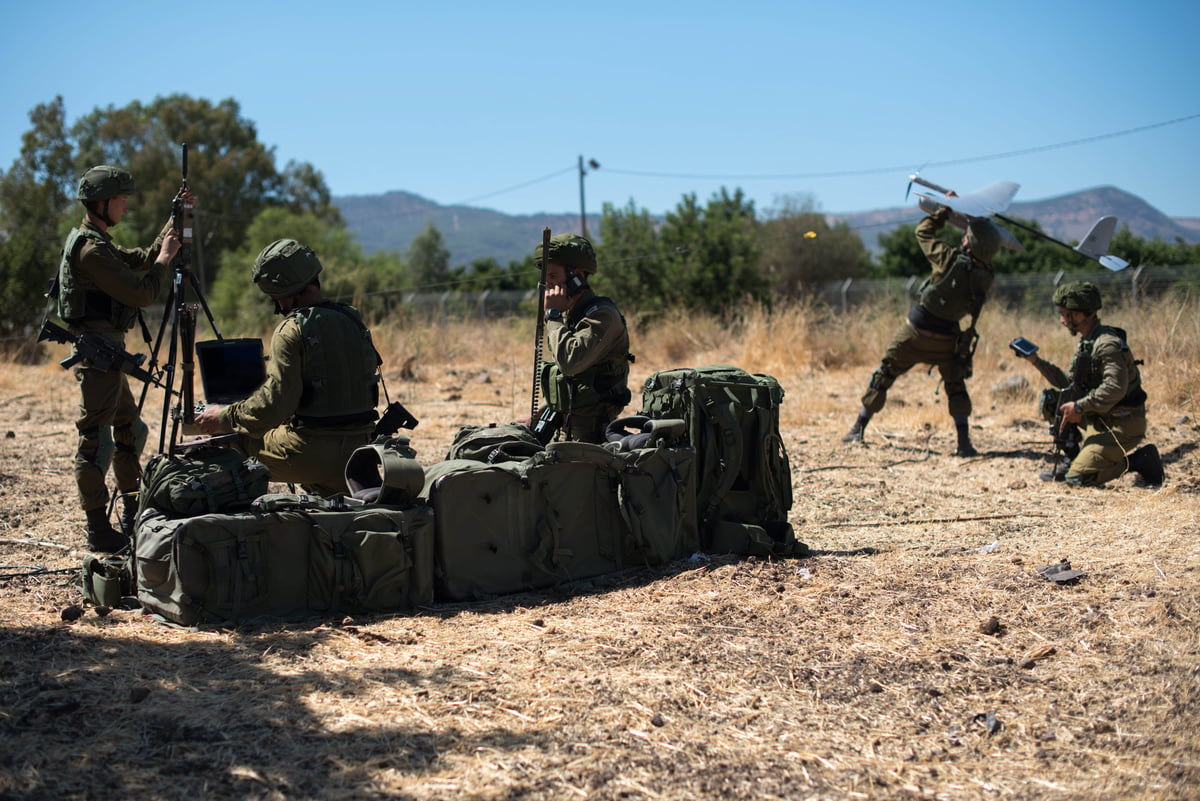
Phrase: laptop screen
{"type": "Point", "coordinates": [230, 369]}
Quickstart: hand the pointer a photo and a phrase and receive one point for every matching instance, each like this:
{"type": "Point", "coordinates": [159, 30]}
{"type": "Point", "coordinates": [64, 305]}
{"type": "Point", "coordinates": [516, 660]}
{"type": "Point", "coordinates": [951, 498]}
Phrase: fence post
{"type": "Point", "coordinates": [845, 292]}
{"type": "Point", "coordinates": [1133, 283]}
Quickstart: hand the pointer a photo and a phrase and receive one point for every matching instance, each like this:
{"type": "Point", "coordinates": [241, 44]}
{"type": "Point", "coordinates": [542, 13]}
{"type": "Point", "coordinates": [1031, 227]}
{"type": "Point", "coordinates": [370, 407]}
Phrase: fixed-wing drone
{"type": "Point", "coordinates": [994, 199]}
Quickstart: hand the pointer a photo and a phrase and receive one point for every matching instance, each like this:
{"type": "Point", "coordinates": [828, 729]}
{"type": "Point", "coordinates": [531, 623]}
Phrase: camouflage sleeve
{"type": "Point", "coordinates": [1113, 370]}
{"type": "Point", "coordinates": [278, 398]}
{"type": "Point", "coordinates": [129, 276]}
{"type": "Point", "coordinates": [1052, 373]}
{"type": "Point", "coordinates": [590, 342]}
{"type": "Point", "coordinates": [938, 252]}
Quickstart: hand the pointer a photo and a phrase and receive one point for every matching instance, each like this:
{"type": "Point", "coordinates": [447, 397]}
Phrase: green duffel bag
{"type": "Point", "coordinates": [516, 526]}
{"type": "Point", "coordinates": [293, 562]}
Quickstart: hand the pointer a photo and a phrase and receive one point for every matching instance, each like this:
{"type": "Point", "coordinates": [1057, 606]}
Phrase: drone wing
{"type": "Point", "coordinates": [958, 219]}
{"type": "Point", "coordinates": [992, 199]}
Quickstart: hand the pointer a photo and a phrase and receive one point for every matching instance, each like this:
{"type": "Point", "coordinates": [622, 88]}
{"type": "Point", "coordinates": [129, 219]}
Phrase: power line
{"type": "Point", "coordinates": [514, 188]}
{"type": "Point", "coordinates": [880, 170]}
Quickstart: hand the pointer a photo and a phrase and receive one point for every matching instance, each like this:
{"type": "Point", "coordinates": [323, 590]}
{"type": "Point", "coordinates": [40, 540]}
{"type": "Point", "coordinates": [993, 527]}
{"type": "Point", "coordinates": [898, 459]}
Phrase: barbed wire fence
{"type": "Point", "coordinates": [1130, 286]}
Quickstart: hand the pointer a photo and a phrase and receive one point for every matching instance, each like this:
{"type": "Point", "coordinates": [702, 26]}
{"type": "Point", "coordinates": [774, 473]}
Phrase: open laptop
{"type": "Point", "coordinates": [230, 369]}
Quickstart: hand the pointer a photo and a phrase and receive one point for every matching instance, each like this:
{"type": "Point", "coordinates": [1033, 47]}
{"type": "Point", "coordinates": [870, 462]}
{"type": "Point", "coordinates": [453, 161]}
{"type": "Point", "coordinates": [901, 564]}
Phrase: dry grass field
{"type": "Point", "coordinates": [917, 653]}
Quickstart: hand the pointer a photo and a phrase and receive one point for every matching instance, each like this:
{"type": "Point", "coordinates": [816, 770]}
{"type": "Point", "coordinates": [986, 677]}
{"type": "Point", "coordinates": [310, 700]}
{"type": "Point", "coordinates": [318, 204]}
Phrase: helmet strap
{"type": "Point", "coordinates": [100, 211]}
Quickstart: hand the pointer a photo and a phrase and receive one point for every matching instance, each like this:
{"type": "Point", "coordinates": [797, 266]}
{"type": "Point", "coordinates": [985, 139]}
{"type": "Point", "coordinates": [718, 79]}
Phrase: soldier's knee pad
{"type": "Point", "coordinates": [96, 447]}
{"type": "Point", "coordinates": [882, 378]}
{"type": "Point", "coordinates": [131, 438]}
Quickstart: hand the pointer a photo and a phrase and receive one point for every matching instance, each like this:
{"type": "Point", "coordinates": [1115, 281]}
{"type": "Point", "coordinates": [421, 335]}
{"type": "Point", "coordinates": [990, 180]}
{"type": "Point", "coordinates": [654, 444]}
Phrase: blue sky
{"type": "Point", "coordinates": [491, 104]}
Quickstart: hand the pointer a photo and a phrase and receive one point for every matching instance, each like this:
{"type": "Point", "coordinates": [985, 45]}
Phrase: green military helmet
{"type": "Point", "coordinates": [1081, 296]}
{"type": "Point", "coordinates": [104, 182]}
{"type": "Point", "coordinates": [284, 268]}
{"type": "Point", "coordinates": [983, 238]}
{"type": "Point", "coordinates": [571, 251]}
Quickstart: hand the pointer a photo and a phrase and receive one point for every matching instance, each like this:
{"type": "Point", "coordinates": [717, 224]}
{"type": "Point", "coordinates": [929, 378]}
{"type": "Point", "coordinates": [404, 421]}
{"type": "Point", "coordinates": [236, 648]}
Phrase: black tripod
{"type": "Point", "coordinates": [181, 319]}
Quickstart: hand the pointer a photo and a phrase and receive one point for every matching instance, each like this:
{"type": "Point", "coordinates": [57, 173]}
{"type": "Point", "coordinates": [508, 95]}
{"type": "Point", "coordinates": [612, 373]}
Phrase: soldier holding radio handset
{"type": "Point", "coordinates": [1105, 396]}
{"type": "Point", "coordinates": [586, 379]}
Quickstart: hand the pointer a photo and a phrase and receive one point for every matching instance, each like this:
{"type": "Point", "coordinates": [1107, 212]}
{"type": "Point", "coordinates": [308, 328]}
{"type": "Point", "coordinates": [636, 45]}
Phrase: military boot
{"type": "Point", "coordinates": [101, 536]}
{"type": "Point", "coordinates": [1146, 462]}
{"type": "Point", "coordinates": [965, 448]}
{"type": "Point", "coordinates": [860, 425]}
{"type": "Point", "coordinates": [1056, 473]}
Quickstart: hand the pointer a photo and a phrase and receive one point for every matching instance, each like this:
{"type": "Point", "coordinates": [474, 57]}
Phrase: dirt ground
{"type": "Point", "coordinates": [917, 653]}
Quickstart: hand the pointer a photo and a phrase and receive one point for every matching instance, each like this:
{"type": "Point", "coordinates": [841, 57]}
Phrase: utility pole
{"type": "Point", "coordinates": [595, 165]}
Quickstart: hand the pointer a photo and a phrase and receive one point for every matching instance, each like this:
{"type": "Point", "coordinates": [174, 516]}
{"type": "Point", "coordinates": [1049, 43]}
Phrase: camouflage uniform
{"type": "Point", "coordinates": [587, 379]}
{"type": "Point", "coordinates": [317, 405]}
{"type": "Point", "coordinates": [1108, 394]}
{"type": "Point", "coordinates": [957, 287]}
{"type": "Point", "coordinates": [101, 288]}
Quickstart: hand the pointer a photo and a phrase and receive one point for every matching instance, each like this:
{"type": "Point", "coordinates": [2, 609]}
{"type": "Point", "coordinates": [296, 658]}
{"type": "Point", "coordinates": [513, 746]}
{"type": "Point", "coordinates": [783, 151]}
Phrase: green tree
{"type": "Point", "coordinates": [1138, 251]}
{"type": "Point", "coordinates": [232, 174]}
{"type": "Point", "coordinates": [35, 194]}
{"type": "Point", "coordinates": [487, 273]}
{"type": "Point", "coordinates": [712, 253]}
{"type": "Point", "coordinates": [631, 268]}
{"type": "Point", "coordinates": [429, 259]}
{"type": "Point", "coordinates": [800, 248]}
{"type": "Point", "coordinates": [371, 283]}
{"type": "Point", "coordinates": [900, 254]}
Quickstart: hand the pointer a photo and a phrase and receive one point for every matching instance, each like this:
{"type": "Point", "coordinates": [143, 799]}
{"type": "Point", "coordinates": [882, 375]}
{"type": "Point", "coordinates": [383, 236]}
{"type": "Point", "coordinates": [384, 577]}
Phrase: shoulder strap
{"type": "Point", "coordinates": [729, 433]}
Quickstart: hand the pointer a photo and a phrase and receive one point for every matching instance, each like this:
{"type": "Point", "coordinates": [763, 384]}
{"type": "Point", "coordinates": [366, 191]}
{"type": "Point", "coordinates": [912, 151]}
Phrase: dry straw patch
{"type": "Point", "coordinates": [917, 653]}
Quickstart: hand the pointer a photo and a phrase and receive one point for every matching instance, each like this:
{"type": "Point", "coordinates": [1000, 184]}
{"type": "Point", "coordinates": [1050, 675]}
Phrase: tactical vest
{"type": "Point", "coordinates": [77, 304]}
{"type": "Point", "coordinates": [604, 384]}
{"type": "Point", "coordinates": [1087, 372]}
{"type": "Point", "coordinates": [960, 291]}
{"type": "Point", "coordinates": [339, 363]}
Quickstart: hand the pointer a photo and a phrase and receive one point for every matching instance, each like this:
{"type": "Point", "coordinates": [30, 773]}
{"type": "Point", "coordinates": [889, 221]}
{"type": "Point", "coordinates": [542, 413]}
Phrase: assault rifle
{"type": "Point", "coordinates": [102, 354]}
{"type": "Point", "coordinates": [540, 325]}
{"type": "Point", "coordinates": [1067, 439]}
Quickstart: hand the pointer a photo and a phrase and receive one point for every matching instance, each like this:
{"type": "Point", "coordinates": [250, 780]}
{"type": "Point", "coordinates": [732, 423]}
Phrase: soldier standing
{"type": "Point", "coordinates": [587, 379]}
{"type": "Point", "coordinates": [317, 405]}
{"type": "Point", "coordinates": [1108, 398]}
{"type": "Point", "coordinates": [101, 287]}
{"type": "Point", "coordinates": [957, 287]}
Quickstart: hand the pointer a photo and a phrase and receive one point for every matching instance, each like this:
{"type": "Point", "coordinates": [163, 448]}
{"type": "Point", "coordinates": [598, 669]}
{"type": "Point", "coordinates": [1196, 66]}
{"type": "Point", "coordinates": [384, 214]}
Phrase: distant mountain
{"type": "Point", "coordinates": [391, 221]}
{"type": "Point", "coordinates": [1067, 217]}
